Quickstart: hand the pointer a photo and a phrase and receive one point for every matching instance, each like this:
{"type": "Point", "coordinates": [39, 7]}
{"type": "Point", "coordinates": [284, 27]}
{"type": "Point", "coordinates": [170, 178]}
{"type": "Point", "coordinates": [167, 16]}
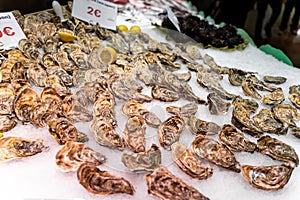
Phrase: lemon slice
{"type": "Point", "coordinates": [66, 35]}
{"type": "Point", "coordinates": [122, 28]}
{"type": "Point", "coordinates": [107, 55]}
{"type": "Point", "coordinates": [135, 29]}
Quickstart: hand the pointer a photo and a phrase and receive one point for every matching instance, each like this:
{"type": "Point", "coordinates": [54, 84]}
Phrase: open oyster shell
{"type": "Point", "coordinates": [272, 177]}
{"type": "Point", "coordinates": [101, 182]}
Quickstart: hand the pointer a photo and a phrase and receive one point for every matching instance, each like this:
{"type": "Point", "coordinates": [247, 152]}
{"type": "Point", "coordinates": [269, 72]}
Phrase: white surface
{"type": "Point", "coordinates": [38, 177]}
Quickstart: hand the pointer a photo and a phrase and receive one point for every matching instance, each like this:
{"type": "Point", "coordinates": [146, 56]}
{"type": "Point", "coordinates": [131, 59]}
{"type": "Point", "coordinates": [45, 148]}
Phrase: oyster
{"type": "Point", "coordinates": [295, 99]}
{"type": "Point", "coordinates": [241, 119]}
{"type": "Point", "coordinates": [46, 30]}
{"type": "Point", "coordinates": [164, 94]}
{"type": "Point", "coordinates": [56, 83]}
{"type": "Point", "coordinates": [286, 114]}
{"type": "Point", "coordinates": [236, 76]}
{"type": "Point", "coordinates": [276, 97]}
{"type": "Point", "coordinates": [207, 59]}
{"type": "Point", "coordinates": [48, 60]}
{"type": "Point", "coordinates": [37, 74]}
{"type": "Point", "coordinates": [62, 74]}
{"type": "Point", "coordinates": [216, 104]}
{"type": "Point", "coordinates": [7, 122]}
{"type": "Point", "coordinates": [135, 134]}
{"type": "Point", "coordinates": [148, 160]}
{"type": "Point", "coordinates": [84, 41]}
{"type": "Point", "coordinates": [266, 122]}
{"type": "Point", "coordinates": [214, 152]}
{"type": "Point", "coordinates": [63, 130]}
{"type": "Point", "coordinates": [17, 71]}
{"type": "Point", "coordinates": [272, 177]}
{"type": "Point", "coordinates": [80, 59]}
{"type": "Point", "coordinates": [249, 89]}
{"type": "Point", "coordinates": [198, 126]}
{"type": "Point", "coordinates": [39, 114]}
{"type": "Point", "coordinates": [249, 104]}
{"type": "Point", "coordinates": [95, 90]}
{"type": "Point", "coordinates": [106, 135]}
{"type": "Point", "coordinates": [51, 44]}
{"type": "Point", "coordinates": [24, 101]}
{"type": "Point", "coordinates": [52, 99]}
{"type": "Point", "coordinates": [73, 154]}
{"type": "Point", "coordinates": [7, 97]}
{"type": "Point", "coordinates": [278, 150]}
{"type": "Point", "coordinates": [193, 52]}
{"type": "Point", "coordinates": [235, 140]}
{"type": "Point", "coordinates": [184, 111]}
{"type": "Point", "coordinates": [74, 111]}
{"type": "Point", "coordinates": [274, 79]}
{"type": "Point", "coordinates": [63, 61]}
{"type": "Point", "coordinates": [18, 147]}
{"type": "Point", "coordinates": [69, 48]}
{"type": "Point", "coordinates": [163, 184]}
{"type": "Point", "coordinates": [189, 163]}
{"type": "Point", "coordinates": [170, 130]}
{"type": "Point", "coordinates": [102, 182]}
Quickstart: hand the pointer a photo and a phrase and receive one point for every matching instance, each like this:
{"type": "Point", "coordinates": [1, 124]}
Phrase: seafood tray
{"type": "Point", "coordinates": [123, 115]}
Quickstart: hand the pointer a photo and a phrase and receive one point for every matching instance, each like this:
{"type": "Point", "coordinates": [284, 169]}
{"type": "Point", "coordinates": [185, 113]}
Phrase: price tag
{"type": "Point", "coordinates": [173, 18]}
{"type": "Point", "coordinates": [93, 11]}
{"type": "Point", "coordinates": [10, 31]}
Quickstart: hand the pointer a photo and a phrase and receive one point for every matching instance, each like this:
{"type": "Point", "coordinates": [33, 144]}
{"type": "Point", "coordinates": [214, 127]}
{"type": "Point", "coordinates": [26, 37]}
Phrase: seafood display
{"type": "Point", "coordinates": [163, 184]}
{"type": "Point", "coordinates": [115, 106]}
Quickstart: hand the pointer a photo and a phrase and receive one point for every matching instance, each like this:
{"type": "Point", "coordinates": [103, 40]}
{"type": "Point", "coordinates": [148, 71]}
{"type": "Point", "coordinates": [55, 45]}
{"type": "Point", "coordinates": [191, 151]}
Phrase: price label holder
{"type": "Point", "coordinates": [10, 31]}
{"type": "Point", "coordinates": [93, 11]}
{"type": "Point", "coordinates": [172, 17]}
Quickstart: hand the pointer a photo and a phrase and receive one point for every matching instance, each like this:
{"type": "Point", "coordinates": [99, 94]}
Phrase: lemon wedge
{"type": "Point", "coordinates": [66, 35]}
{"type": "Point", "coordinates": [135, 29]}
{"type": "Point", "coordinates": [122, 28]}
{"type": "Point", "coordinates": [1, 134]}
{"type": "Point", "coordinates": [107, 55]}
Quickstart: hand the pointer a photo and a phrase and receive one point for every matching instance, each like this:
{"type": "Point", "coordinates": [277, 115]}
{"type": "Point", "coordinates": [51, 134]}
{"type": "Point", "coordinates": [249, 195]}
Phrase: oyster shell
{"type": "Point", "coordinates": [266, 122]}
{"type": "Point", "coordinates": [7, 122]}
{"type": "Point", "coordinates": [295, 99]}
{"type": "Point", "coordinates": [73, 154]}
{"type": "Point", "coordinates": [286, 114]}
{"type": "Point", "coordinates": [216, 104]}
{"type": "Point", "coordinates": [250, 104]}
{"type": "Point", "coordinates": [248, 86]}
{"type": "Point", "coordinates": [198, 126]}
{"type": "Point", "coordinates": [272, 177]}
{"type": "Point", "coordinates": [170, 130]}
{"type": "Point", "coordinates": [62, 74]}
{"type": "Point", "coordinates": [278, 150]}
{"type": "Point", "coordinates": [135, 134]}
{"type": "Point", "coordinates": [37, 74]}
{"type": "Point", "coordinates": [148, 160]}
{"type": "Point", "coordinates": [80, 59]}
{"type": "Point", "coordinates": [17, 147]}
{"type": "Point", "coordinates": [241, 119]}
{"type": "Point", "coordinates": [24, 102]}
{"type": "Point", "coordinates": [184, 111]}
{"type": "Point", "coordinates": [236, 76]}
{"type": "Point", "coordinates": [189, 163]}
{"type": "Point", "coordinates": [276, 97]}
{"type": "Point", "coordinates": [48, 60]}
{"type": "Point", "coordinates": [235, 140]}
{"type": "Point", "coordinates": [193, 52]}
{"type": "Point", "coordinates": [56, 83]}
{"type": "Point", "coordinates": [63, 61]}
{"type": "Point", "coordinates": [274, 79]}
{"type": "Point", "coordinates": [164, 94]}
{"type": "Point", "coordinates": [163, 184]}
{"type": "Point", "coordinates": [84, 42]}
{"type": "Point", "coordinates": [7, 97]}
{"type": "Point", "coordinates": [39, 114]}
{"type": "Point", "coordinates": [102, 182]}
{"type": "Point", "coordinates": [207, 59]}
{"type": "Point", "coordinates": [52, 99]}
{"type": "Point", "coordinates": [106, 135]}
{"type": "Point", "coordinates": [214, 152]}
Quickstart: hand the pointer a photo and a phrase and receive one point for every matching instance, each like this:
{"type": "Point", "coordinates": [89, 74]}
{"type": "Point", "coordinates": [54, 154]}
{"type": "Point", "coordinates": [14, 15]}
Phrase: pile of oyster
{"type": "Point", "coordinates": [50, 84]}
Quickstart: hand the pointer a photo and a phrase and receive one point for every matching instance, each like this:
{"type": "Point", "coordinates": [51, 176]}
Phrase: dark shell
{"type": "Point", "coordinates": [164, 94]}
{"type": "Point", "coordinates": [275, 79]}
{"type": "Point", "coordinates": [217, 105]}
{"type": "Point", "coordinates": [198, 126]}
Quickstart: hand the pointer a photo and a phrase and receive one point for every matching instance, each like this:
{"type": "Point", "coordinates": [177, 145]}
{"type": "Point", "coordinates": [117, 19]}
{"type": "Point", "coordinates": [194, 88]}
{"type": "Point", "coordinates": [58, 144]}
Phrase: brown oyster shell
{"type": "Point", "coordinates": [274, 79]}
{"type": "Point", "coordinates": [73, 154]}
{"type": "Point", "coordinates": [250, 104]}
{"type": "Point", "coordinates": [286, 113]}
{"type": "Point", "coordinates": [198, 126]}
{"type": "Point", "coordinates": [18, 147]}
{"type": "Point", "coordinates": [295, 99]}
{"type": "Point", "coordinates": [7, 122]}
{"type": "Point", "coordinates": [148, 160]}
{"type": "Point", "coordinates": [216, 104]}
{"type": "Point", "coordinates": [101, 182]}
{"type": "Point", "coordinates": [183, 111]}
{"type": "Point", "coordinates": [278, 150]}
{"type": "Point", "coordinates": [189, 163]}
{"type": "Point", "coordinates": [163, 184]}
{"type": "Point", "coordinates": [275, 97]}
{"type": "Point", "coordinates": [235, 140]}
{"type": "Point", "coordinates": [170, 130]}
{"type": "Point", "coordinates": [164, 94]}
{"type": "Point", "coordinates": [7, 97]}
{"type": "Point", "coordinates": [214, 152]}
{"type": "Point", "coordinates": [272, 177]}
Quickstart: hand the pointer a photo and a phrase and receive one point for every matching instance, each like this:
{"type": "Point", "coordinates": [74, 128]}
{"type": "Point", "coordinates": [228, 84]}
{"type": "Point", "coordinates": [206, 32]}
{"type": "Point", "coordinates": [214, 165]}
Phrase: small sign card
{"type": "Point", "coordinates": [93, 11]}
{"type": "Point", "coordinates": [10, 31]}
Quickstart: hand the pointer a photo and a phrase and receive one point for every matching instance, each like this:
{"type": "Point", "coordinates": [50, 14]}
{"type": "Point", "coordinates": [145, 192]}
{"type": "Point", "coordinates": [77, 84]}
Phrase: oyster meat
{"type": "Point", "coordinates": [170, 130]}
{"type": "Point", "coordinates": [189, 163]}
{"type": "Point", "coordinates": [17, 147]}
{"type": "Point", "coordinates": [215, 152]}
{"type": "Point", "coordinates": [148, 160]}
{"type": "Point", "coordinates": [163, 184]}
{"type": "Point", "coordinates": [272, 177]}
{"type": "Point", "coordinates": [73, 154]}
{"type": "Point", "coordinates": [101, 182]}
{"type": "Point", "coordinates": [278, 150]}
{"type": "Point", "coordinates": [235, 140]}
